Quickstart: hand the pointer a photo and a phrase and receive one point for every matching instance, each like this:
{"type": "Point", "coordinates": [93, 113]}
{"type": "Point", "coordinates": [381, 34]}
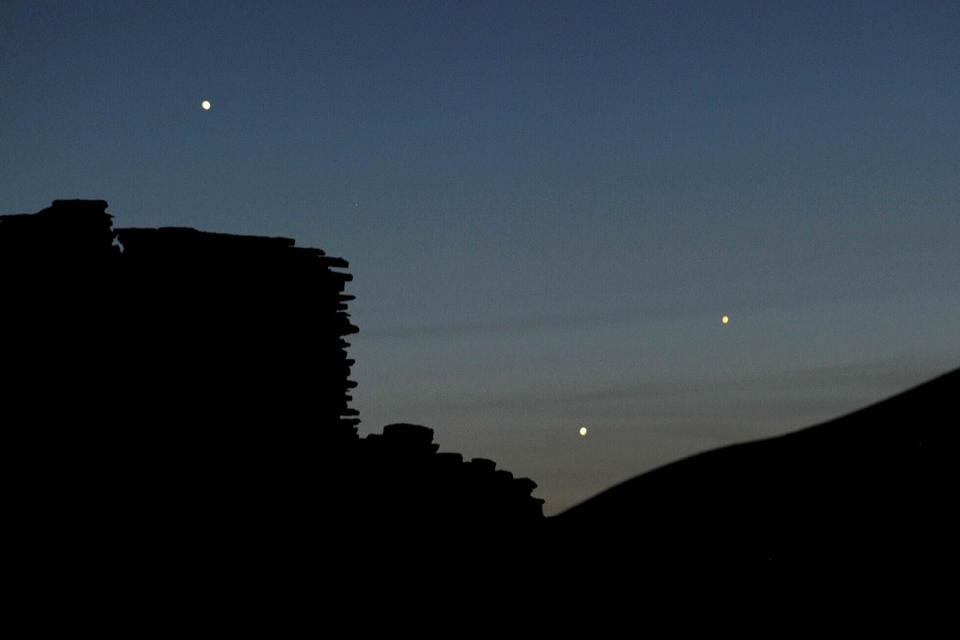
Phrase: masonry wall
{"type": "Point", "coordinates": [191, 390]}
{"type": "Point", "coordinates": [183, 325]}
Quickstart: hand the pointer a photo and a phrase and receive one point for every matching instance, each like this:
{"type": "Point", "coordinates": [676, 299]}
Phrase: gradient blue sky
{"type": "Point", "coordinates": [547, 206]}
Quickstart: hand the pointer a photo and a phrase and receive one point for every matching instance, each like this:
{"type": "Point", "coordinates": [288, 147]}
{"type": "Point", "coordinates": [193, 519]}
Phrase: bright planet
{"type": "Point", "coordinates": [725, 319]}
{"type": "Point", "coordinates": [205, 105]}
{"type": "Point", "coordinates": [583, 432]}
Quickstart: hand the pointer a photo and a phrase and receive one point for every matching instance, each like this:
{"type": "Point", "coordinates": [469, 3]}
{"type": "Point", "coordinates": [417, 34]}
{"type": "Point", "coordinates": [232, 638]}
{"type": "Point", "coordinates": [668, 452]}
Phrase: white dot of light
{"type": "Point", "coordinates": [583, 432]}
{"type": "Point", "coordinates": [725, 319]}
{"type": "Point", "coordinates": [205, 105]}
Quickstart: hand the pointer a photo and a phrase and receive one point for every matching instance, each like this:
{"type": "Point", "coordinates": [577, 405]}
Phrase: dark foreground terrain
{"type": "Point", "coordinates": [874, 485]}
{"type": "Point", "coordinates": [177, 425]}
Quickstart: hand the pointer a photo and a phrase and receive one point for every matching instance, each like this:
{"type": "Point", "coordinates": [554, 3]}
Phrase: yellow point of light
{"type": "Point", "coordinates": [725, 319]}
{"type": "Point", "coordinates": [205, 105]}
{"type": "Point", "coordinates": [583, 432]}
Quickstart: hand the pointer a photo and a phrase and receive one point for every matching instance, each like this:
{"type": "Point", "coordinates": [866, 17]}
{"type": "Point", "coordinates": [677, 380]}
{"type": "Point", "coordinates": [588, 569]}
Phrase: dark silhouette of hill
{"type": "Point", "coordinates": [876, 485]}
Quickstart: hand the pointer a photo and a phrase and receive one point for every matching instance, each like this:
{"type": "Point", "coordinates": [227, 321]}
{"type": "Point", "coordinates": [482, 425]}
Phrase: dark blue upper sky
{"type": "Point", "coordinates": [547, 206]}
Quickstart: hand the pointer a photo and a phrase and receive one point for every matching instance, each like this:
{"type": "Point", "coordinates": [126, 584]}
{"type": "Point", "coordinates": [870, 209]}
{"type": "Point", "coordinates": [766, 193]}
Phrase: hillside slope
{"type": "Point", "coordinates": [877, 483]}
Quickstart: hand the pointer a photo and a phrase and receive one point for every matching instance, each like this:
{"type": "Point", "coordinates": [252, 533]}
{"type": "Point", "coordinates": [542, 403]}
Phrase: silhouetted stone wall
{"type": "Point", "coordinates": [183, 378]}
{"type": "Point", "coordinates": [213, 326]}
{"type": "Point", "coordinates": [268, 318]}
{"type": "Point", "coordinates": [409, 480]}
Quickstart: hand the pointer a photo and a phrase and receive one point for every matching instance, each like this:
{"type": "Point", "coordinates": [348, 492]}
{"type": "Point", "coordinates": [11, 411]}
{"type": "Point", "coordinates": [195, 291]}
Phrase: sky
{"type": "Point", "coordinates": [547, 206]}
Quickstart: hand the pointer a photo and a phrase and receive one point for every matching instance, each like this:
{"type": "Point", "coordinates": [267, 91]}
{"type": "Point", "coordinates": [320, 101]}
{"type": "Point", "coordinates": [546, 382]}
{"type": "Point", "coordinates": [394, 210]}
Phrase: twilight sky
{"type": "Point", "coordinates": [547, 206]}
